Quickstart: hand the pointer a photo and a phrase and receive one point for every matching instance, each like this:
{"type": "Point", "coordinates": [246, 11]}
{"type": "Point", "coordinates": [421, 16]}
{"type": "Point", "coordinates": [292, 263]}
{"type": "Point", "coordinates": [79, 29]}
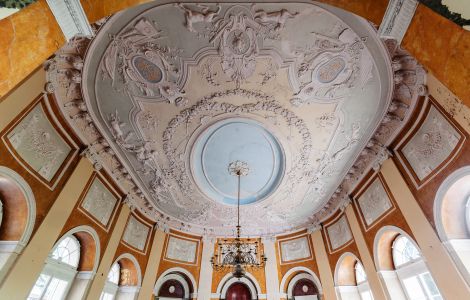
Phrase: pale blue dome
{"type": "Point", "coordinates": [237, 139]}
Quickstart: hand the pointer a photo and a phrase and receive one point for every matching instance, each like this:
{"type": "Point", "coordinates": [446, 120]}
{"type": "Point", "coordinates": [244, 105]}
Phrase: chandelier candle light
{"type": "Point", "coordinates": [238, 255]}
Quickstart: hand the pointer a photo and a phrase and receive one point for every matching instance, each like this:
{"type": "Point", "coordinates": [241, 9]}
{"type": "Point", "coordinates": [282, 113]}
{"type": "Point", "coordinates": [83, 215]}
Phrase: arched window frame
{"type": "Point", "coordinates": [458, 246]}
{"type": "Point", "coordinates": [60, 257]}
{"type": "Point", "coordinates": [362, 285]}
{"type": "Point", "coordinates": [360, 273]}
{"type": "Point", "coordinates": [467, 213]}
{"type": "Point", "coordinates": [1, 211]}
{"type": "Point", "coordinates": [57, 275]}
{"type": "Point", "coordinates": [405, 260]}
{"type": "Point", "coordinates": [354, 289]}
{"type": "Point", "coordinates": [413, 274]}
{"type": "Point", "coordinates": [111, 285]}
{"type": "Point", "coordinates": [9, 250]}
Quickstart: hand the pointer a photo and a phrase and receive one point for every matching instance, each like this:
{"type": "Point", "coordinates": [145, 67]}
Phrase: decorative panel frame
{"type": "Point", "coordinates": [285, 241]}
{"type": "Point", "coordinates": [97, 178]}
{"type": "Point", "coordinates": [431, 106]}
{"type": "Point", "coordinates": [176, 237]}
{"type": "Point", "coordinates": [364, 190]}
{"type": "Point", "coordinates": [342, 221]}
{"type": "Point", "coordinates": [42, 104]}
{"type": "Point", "coordinates": [127, 232]}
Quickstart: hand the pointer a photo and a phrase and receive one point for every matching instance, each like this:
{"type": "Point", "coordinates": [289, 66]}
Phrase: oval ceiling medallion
{"type": "Point", "coordinates": [330, 70]}
{"type": "Point", "coordinates": [235, 139]}
{"type": "Point", "coordinates": [147, 69]}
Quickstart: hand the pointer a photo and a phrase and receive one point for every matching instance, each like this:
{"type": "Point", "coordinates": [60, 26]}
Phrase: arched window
{"type": "Point", "coordinates": [452, 218]}
{"type": "Point", "coordinates": [351, 279]}
{"type": "Point", "coordinates": [404, 251]}
{"type": "Point", "coordinates": [402, 267]}
{"type": "Point", "coordinates": [59, 272]}
{"type": "Point", "coordinates": [17, 215]}
{"type": "Point", "coordinates": [67, 252]}
{"type": "Point", "coordinates": [360, 273]}
{"type": "Point", "coordinates": [114, 274]}
{"type": "Point", "coordinates": [112, 283]}
{"type": "Point", "coordinates": [124, 279]}
{"type": "Point", "coordinates": [467, 214]}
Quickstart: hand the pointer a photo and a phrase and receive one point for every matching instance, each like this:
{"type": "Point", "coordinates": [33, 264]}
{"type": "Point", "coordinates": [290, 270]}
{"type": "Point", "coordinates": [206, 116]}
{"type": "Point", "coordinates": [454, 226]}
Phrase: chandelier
{"type": "Point", "coordinates": [237, 255]}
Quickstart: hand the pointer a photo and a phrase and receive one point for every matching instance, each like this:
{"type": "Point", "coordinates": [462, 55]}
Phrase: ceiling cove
{"type": "Point", "coordinates": [167, 95]}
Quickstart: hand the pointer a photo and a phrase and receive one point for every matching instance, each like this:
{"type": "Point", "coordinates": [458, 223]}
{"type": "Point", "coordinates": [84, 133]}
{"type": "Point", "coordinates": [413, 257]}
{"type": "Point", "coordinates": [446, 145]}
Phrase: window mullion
{"type": "Point", "coordinates": [46, 286]}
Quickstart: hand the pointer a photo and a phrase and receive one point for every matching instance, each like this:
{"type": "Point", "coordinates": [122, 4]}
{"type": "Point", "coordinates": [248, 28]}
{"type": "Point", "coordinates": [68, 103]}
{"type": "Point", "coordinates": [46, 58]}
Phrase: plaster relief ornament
{"type": "Point", "coordinates": [295, 249]}
{"type": "Point", "coordinates": [239, 66]}
{"type": "Point", "coordinates": [137, 64]}
{"type": "Point", "coordinates": [374, 202]}
{"type": "Point", "coordinates": [202, 14]}
{"type": "Point", "coordinates": [332, 67]}
{"type": "Point", "coordinates": [237, 34]}
{"type": "Point", "coordinates": [136, 233]}
{"type": "Point", "coordinates": [432, 144]}
{"type": "Point", "coordinates": [99, 202]}
{"type": "Point", "coordinates": [182, 250]}
{"type": "Point", "coordinates": [38, 143]}
{"type": "Point", "coordinates": [339, 233]}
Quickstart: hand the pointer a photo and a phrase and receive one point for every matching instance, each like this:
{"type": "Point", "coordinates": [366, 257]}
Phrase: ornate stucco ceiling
{"type": "Point", "coordinates": [178, 91]}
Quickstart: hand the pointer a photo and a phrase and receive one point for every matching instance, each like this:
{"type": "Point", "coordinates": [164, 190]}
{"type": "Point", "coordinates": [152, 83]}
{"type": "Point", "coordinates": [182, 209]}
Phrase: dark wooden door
{"type": "Point", "coordinates": [238, 291]}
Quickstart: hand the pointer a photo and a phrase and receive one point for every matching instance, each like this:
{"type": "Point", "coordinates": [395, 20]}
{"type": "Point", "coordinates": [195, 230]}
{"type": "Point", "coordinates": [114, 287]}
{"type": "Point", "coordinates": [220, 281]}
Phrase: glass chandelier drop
{"type": "Point", "coordinates": [237, 255]}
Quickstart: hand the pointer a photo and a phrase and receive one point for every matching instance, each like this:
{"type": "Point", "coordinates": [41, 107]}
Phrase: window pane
{"type": "Point", "coordinates": [55, 290]}
{"type": "Point", "coordinates": [414, 289]}
{"type": "Point", "coordinates": [404, 251]}
{"type": "Point", "coordinates": [67, 251]}
{"type": "Point", "coordinates": [360, 273]}
{"type": "Point", "coordinates": [366, 295]}
{"type": "Point", "coordinates": [39, 287]}
{"type": "Point", "coordinates": [430, 285]}
{"type": "Point", "coordinates": [106, 296]}
{"type": "Point", "coordinates": [113, 275]}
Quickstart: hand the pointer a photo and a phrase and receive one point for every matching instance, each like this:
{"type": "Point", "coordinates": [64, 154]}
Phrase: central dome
{"type": "Point", "coordinates": [235, 139]}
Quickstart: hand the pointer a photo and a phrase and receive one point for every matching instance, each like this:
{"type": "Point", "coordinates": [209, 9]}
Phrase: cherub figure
{"type": "Point", "coordinates": [194, 16]}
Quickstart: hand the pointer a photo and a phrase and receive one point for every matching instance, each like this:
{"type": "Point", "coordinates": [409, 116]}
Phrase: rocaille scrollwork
{"type": "Point", "coordinates": [136, 63]}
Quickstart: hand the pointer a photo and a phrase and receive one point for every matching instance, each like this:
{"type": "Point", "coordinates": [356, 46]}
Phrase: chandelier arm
{"type": "Point", "coordinates": [237, 255]}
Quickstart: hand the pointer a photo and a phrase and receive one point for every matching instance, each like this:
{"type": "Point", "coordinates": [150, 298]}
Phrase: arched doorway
{"type": "Point", "coordinates": [238, 291]}
{"type": "Point", "coordinates": [171, 289]}
{"type": "Point", "coordinates": [305, 289]}
{"type": "Point", "coordinates": [174, 284]}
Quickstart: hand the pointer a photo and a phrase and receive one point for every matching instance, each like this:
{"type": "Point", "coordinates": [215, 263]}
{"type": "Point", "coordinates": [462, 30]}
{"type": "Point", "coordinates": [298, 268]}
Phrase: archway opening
{"type": "Point", "coordinates": [351, 279]}
{"type": "Point", "coordinates": [402, 268]}
{"type": "Point", "coordinates": [17, 216]}
{"type": "Point", "coordinates": [305, 289]}
{"type": "Point", "coordinates": [174, 285]}
{"type": "Point", "coordinates": [238, 291]}
{"type": "Point", "coordinates": [123, 279]}
{"type": "Point", "coordinates": [452, 218]}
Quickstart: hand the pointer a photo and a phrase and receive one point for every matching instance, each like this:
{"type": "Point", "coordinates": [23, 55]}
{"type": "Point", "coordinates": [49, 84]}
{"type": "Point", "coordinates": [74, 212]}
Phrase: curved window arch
{"type": "Point", "coordinates": [403, 251]}
{"type": "Point", "coordinates": [70, 266]}
{"type": "Point", "coordinates": [351, 279]}
{"type": "Point", "coordinates": [114, 274]}
{"type": "Point", "coordinates": [17, 217]}
{"type": "Point", "coordinates": [467, 214]}
{"type": "Point", "coordinates": [452, 218]}
{"type": "Point", "coordinates": [67, 251]}
{"type": "Point", "coordinates": [112, 283]}
{"type": "Point", "coordinates": [402, 268]}
{"type": "Point", "coordinates": [55, 280]}
{"type": "Point", "coordinates": [360, 273]}
{"type": "Point", "coordinates": [124, 278]}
